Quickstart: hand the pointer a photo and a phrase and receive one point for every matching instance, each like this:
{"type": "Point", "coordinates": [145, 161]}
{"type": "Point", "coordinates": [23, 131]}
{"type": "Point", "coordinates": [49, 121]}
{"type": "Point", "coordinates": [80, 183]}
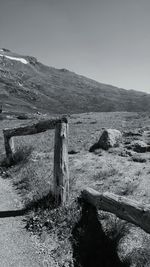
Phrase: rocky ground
{"type": "Point", "coordinates": [123, 170]}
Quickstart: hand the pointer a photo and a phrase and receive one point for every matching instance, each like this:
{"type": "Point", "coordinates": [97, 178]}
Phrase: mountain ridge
{"type": "Point", "coordinates": [26, 85]}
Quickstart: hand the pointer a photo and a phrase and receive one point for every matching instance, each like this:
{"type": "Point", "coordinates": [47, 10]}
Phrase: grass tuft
{"type": "Point", "coordinates": [105, 174]}
{"type": "Point", "coordinates": [20, 156]}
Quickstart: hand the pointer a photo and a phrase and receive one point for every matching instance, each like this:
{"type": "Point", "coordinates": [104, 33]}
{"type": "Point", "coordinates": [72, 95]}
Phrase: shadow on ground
{"type": "Point", "coordinates": [12, 213]}
{"type": "Point", "coordinates": [90, 244]}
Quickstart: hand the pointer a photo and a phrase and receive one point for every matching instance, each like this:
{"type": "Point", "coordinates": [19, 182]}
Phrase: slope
{"type": "Point", "coordinates": [27, 85]}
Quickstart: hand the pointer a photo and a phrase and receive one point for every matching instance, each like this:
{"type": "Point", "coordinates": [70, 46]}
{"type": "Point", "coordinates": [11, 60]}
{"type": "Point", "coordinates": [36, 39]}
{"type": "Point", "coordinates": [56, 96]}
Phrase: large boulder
{"type": "Point", "coordinates": [109, 138]}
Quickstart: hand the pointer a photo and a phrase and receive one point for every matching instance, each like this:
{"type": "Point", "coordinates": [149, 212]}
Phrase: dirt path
{"type": "Point", "coordinates": [17, 247]}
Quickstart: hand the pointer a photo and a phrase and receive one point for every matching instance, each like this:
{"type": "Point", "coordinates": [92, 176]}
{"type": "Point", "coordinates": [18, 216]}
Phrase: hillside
{"type": "Point", "coordinates": [27, 85]}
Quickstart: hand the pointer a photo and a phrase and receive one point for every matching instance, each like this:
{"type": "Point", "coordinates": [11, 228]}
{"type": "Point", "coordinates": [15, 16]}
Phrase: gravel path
{"type": "Point", "coordinates": [17, 247]}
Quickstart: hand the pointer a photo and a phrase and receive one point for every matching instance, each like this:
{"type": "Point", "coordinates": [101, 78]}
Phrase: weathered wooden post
{"type": "Point", "coordinates": [9, 148]}
{"type": "Point", "coordinates": [61, 172]}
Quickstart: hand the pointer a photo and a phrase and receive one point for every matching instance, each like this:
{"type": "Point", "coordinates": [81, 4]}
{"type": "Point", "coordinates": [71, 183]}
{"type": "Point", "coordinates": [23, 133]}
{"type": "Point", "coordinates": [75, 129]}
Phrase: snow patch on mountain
{"type": "Point", "coordinates": [22, 60]}
{"type": "Point", "coordinates": [4, 50]}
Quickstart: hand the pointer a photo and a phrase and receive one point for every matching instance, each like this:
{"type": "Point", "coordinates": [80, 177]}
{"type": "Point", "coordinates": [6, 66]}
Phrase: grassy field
{"type": "Point", "coordinates": [118, 170]}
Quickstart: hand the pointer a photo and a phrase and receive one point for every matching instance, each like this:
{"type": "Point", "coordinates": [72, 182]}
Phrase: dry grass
{"type": "Point", "coordinates": [33, 178]}
{"type": "Point", "coordinates": [21, 156]}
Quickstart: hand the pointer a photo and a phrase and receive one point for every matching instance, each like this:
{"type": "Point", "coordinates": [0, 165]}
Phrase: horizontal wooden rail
{"type": "Point", "coordinates": [124, 208]}
{"type": "Point", "coordinates": [35, 128]}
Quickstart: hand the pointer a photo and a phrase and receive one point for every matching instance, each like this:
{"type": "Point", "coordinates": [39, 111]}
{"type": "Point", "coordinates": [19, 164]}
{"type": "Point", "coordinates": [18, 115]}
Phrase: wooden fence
{"type": "Point", "coordinates": [61, 173]}
{"type": "Point", "coordinates": [124, 208]}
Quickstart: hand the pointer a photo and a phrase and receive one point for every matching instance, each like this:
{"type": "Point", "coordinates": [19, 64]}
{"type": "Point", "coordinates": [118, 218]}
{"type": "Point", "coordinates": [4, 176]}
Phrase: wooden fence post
{"type": "Point", "coordinates": [61, 173]}
{"type": "Point", "coordinates": [9, 148]}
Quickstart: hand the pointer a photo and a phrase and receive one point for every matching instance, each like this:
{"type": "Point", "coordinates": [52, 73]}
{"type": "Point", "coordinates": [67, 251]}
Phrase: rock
{"type": "Point", "coordinates": [109, 138]}
{"type": "Point", "coordinates": [138, 158]}
{"type": "Point", "coordinates": [73, 151]}
{"type": "Point", "coordinates": [139, 146]}
{"type": "Point", "coordinates": [133, 133]}
{"type": "Point", "coordinates": [22, 117]}
{"type": "Point", "coordinates": [126, 153]}
{"type": "Point", "coordinates": [94, 147]}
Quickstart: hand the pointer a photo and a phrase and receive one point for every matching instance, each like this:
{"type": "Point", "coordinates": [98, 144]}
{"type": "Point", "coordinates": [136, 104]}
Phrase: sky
{"type": "Point", "coordinates": [106, 40]}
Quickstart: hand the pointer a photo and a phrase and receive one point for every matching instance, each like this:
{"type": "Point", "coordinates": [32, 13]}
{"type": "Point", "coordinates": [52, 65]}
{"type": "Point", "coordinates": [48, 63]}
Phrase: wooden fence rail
{"type": "Point", "coordinates": [61, 173]}
{"type": "Point", "coordinates": [124, 208]}
{"type": "Point", "coordinates": [35, 128]}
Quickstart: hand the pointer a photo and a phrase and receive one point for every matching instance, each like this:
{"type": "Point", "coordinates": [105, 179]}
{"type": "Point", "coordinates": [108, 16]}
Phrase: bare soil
{"type": "Point", "coordinates": [17, 246]}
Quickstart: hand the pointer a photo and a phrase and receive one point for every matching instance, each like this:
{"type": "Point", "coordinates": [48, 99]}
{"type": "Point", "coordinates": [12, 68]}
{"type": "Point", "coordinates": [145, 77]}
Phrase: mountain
{"type": "Point", "coordinates": [27, 85]}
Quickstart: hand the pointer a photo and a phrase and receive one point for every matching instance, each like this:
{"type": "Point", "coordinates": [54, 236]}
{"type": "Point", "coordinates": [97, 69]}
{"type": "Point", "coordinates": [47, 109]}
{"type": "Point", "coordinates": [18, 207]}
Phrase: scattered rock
{"type": "Point", "coordinates": [138, 159]}
{"type": "Point", "coordinates": [63, 70]}
{"type": "Point", "coordinates": [78, 122]}
{"type": "Point", "coordinates": [109, 138]}
{"type": "Point", "coordinates": [125, 153]}
{"type": "Point", "coordinates": [72, 152]}
{"type": "Point", "coordinates": [93, 122]}
{"type": "Point", "coordinates": [139, 146]}
{"type": "Point", "coordinates": [22, 117]}
{"type": "Point", "coordinates": [147, 133]}
{"type": "Point", "coordinates": [133, 133]}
